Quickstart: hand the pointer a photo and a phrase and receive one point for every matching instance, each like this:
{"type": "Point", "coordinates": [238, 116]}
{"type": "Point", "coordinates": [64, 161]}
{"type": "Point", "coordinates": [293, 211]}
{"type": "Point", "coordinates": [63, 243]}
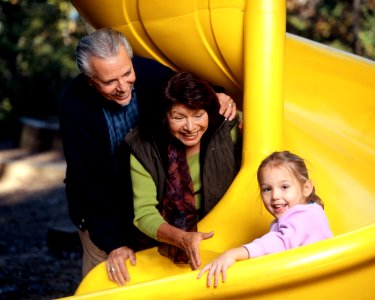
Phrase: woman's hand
{"type": "Point", "coordinates": [187, 241]}
{"type": "Point", "coordinates": [116, 264]}
{"type": "Point", "coordinates": [190, 242]}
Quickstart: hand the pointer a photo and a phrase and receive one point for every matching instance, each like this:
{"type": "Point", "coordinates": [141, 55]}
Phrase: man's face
{"type": "Point", "coordinates": [114, 77]}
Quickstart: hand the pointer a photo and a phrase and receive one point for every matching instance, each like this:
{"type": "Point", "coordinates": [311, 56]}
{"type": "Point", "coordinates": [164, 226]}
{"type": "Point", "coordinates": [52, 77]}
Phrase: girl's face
{"type": "Point", "coordinates": [280, 189]}
{"type": "Point", "coordinates": [187, 125]}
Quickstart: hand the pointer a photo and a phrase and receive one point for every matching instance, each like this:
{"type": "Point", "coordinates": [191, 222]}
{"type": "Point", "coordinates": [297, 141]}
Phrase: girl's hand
{"type": "Point", "coordinates": [221, 264]}
{"type": "Point", "coordinates": [217, 267]}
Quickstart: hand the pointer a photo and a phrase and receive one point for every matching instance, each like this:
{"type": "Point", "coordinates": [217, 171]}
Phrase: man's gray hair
{"type": "Point", "coordinates": [102, 43]}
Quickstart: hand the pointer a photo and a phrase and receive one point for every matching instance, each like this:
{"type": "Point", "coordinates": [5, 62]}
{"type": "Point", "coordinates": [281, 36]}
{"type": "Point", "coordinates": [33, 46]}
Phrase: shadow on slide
{"type": "Point", "coordinates": [295, 94]}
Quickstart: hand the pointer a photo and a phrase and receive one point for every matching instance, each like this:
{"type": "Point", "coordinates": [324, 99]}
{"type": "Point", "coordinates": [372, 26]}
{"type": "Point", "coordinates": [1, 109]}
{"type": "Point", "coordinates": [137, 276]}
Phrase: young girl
{"type": "Point", "coordinates": [289, 196]}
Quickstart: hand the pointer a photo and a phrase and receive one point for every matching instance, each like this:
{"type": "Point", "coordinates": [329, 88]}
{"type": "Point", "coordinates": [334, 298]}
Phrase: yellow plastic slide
{"type": "Point", "coordinates": [295, 94]}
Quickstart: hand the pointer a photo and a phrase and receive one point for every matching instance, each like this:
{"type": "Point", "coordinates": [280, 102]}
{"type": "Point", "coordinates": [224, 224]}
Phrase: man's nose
{"type": "Point", "coordinates": [122, 84]}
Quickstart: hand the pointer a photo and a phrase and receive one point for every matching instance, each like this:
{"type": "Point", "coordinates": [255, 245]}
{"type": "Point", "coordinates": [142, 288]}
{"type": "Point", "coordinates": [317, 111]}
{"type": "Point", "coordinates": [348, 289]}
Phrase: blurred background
{"type": "Point", "coordinates": [39, 254]}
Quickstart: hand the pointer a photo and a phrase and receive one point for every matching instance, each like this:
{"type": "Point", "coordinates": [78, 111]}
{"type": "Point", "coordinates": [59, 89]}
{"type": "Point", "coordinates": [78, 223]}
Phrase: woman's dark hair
{"type": "Point", "coordinates": [296, 164]}
{"type": "Point", "coordinates": [187, 89]}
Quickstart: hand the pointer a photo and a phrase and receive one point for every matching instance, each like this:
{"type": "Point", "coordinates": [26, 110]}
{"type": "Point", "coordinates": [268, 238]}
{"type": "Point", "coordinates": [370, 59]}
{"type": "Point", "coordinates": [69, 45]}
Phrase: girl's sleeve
{"type": "Point", "coordinates": [302, 225]}
{"type": "Point", "coordinates": [146, 216]}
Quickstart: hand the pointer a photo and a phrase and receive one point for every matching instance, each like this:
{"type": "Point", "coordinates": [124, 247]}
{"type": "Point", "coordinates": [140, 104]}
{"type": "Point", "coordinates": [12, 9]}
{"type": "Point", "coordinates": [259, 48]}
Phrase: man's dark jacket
{"type": "Point", "coordinates": [98, 185]}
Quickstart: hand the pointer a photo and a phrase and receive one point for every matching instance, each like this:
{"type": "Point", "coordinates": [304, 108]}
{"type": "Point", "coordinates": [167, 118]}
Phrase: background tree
{"type": "Point", "coordinates": [345, 24]}
{"type": "Point", "coordinates": [37, 42]}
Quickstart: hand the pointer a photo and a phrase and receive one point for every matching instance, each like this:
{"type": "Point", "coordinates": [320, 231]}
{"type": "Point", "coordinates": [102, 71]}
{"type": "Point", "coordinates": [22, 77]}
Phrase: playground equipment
{"type": "Point", "coordinates": [295, 94]}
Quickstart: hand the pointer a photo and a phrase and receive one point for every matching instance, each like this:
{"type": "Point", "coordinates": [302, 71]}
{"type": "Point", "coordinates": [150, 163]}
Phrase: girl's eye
{"type": "Point", "coordinates": [284, 187]}
{"type": "Point", "coordinates": [266, 189]}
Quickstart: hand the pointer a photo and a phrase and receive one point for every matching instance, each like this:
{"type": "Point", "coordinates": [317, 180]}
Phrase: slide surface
{"type": "Point", "coordinates": [313, 100]}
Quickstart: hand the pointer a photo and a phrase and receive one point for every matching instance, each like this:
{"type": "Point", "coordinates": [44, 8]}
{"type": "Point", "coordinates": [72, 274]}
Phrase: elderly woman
{"type": "Point", "coordinates": [181, 171]}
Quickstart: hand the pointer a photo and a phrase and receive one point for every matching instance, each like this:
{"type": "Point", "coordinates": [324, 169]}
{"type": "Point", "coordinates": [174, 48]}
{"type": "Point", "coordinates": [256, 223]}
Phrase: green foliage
{"type": "Point", "coordinates": [367, 33]}
{"type": "Point", "coordinates": [5, 109]}
{"type": "Point", "coordinates": [348, 25]}
{"type": "Point", "coordinates": [37, 41]}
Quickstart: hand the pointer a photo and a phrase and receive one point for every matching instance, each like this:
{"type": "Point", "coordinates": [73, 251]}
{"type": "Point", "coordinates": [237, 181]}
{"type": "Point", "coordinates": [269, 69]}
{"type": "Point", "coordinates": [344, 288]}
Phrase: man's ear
{"type": "Point", "coordinates": [90, 81]}
{"type": "Point", "coordinates": [307, 188]}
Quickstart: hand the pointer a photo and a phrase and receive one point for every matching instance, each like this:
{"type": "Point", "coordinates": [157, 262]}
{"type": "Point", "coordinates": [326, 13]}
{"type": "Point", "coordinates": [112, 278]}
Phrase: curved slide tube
{"type": "Point", "coordinates": [295, 94]}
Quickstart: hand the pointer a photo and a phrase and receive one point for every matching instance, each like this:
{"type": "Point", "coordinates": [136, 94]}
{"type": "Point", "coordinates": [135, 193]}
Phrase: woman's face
{"type": "Point", "coordinates": [187, 125]}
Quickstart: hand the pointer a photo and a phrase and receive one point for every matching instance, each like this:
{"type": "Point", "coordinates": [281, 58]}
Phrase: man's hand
{"type": "Point", "coordinates": [116, 267]}
{"type": "Point", "coordinates": [227, 106]}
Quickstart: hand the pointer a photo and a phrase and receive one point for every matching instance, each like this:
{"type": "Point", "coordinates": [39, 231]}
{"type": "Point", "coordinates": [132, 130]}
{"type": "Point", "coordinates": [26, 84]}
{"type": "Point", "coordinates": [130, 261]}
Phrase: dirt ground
{"type": "Point", "coordinates": [40, 256]}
